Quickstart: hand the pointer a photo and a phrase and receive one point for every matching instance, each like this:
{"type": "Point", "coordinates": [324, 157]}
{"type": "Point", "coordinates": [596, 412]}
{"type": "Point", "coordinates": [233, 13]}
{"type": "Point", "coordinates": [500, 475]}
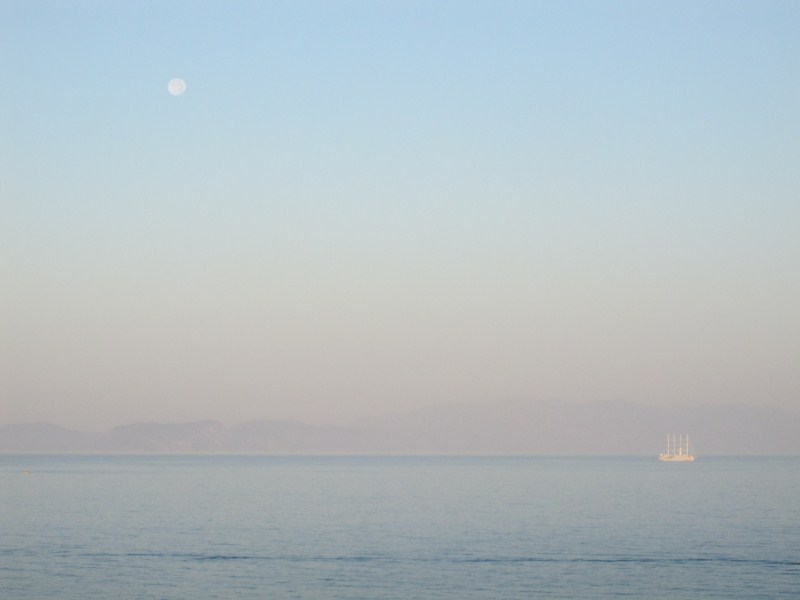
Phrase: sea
{"type": "Point", "coordinates": [85, 527]}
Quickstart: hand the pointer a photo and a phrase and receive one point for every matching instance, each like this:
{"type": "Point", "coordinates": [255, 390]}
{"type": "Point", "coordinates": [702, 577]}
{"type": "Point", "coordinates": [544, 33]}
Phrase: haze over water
{"type": "Point", "coordinates": [502, 224]}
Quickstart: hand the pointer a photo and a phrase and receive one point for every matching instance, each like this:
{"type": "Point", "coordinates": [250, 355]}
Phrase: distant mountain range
{"type": "Point", "coordinates": [508, 427]}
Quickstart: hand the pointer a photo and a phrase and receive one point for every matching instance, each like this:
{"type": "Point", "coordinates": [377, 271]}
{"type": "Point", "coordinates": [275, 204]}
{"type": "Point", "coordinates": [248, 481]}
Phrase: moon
{"type": "Point", "coordinates": [176, 87]}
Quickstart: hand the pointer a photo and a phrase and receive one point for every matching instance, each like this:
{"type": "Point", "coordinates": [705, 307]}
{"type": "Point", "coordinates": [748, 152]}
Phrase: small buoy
{"type": "Point", "coordinates": [26, 472]}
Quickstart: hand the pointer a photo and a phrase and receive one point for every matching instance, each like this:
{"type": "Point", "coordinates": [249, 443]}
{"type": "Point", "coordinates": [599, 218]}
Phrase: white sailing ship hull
{"type": "Point", "coordinates": [678, 450]}
{"type": "Point", "coordinates": [676, 457]}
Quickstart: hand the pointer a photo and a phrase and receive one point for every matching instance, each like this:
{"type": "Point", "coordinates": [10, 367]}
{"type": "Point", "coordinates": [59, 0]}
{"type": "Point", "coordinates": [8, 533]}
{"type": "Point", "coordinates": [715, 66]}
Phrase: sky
{"type": "Point", "coordinates": [361, 208]}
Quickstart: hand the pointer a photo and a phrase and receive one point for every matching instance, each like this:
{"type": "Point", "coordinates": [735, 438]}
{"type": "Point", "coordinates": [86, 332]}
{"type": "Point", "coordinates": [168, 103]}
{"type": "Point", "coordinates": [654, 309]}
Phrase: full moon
{"type": "Point", "coordinates": [176, 87]}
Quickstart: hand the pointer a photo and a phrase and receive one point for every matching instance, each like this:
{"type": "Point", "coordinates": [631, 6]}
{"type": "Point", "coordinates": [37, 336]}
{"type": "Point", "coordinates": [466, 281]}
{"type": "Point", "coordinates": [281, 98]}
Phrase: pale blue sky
{"type": "Point", "coordinates": [364, 207]}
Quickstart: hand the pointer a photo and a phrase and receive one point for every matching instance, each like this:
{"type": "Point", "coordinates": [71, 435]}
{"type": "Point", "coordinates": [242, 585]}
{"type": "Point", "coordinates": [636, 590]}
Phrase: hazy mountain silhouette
{"type": "Point", "coordinates": [290, 437]}
{"type": "Point", "coordinates": [516, 426]}
{"type": "Point", "coordinates": [602, 428]}
{"type": "Point", "coordinates": [44, 437]}
{"type": "Point", "coordinates": [167, 438]}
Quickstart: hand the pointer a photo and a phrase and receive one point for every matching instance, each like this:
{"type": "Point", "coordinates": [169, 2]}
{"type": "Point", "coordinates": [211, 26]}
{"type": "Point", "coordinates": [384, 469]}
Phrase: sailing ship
{"type": "Point", "coordinates": [678, 449]}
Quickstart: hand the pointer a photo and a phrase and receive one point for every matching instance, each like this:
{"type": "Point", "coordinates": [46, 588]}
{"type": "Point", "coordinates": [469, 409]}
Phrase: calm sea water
{"type": "Point", "coordinates": [267, 527]}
